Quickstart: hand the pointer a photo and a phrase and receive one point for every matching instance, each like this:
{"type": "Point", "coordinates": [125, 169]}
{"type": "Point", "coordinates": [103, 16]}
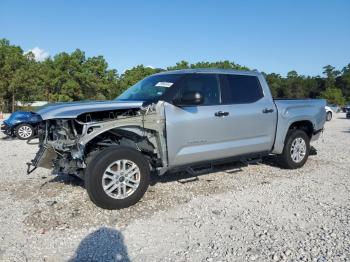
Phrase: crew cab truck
{"type": "Point", "coordinates": [169, 121]}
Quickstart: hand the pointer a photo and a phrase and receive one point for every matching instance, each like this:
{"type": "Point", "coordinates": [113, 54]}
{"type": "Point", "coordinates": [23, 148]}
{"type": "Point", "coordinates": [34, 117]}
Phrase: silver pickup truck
{"type": "Point", "coordinates": [171, 121]}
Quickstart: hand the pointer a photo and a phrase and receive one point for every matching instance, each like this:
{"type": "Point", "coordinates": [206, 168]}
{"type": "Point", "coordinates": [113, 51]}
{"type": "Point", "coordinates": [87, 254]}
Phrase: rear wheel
{"type": "Point", "coordinates": [117, 177]}
{"type": "Point", "coordinates": [24, 131]}
{"type": "Point", "coordinates": [296, 149]}
{"type": "Point", "coordinates": [329, 116]}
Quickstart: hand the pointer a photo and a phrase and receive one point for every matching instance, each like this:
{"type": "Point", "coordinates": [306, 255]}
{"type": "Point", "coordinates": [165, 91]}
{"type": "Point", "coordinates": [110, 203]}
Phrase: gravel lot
{"type": "Point", "coordinates": [257, 212]}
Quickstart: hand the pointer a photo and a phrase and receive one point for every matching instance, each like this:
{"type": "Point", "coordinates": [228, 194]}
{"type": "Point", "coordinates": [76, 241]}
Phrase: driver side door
{"type": "Point", "coordinates": [196, 133]}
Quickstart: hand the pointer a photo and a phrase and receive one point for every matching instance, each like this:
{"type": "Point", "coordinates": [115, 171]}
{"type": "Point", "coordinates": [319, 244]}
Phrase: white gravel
{"type": "Point", "coordinates": [256, 212]}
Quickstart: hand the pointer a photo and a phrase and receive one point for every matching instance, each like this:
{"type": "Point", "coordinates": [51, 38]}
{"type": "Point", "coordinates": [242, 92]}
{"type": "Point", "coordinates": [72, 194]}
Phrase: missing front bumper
{"type": "Point", "coordinates": [43, 158]}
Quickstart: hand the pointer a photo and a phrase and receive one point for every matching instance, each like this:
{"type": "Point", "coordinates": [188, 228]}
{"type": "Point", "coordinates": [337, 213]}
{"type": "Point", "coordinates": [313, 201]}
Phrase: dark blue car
{"type": "Point", "coordinates": [21, 124]}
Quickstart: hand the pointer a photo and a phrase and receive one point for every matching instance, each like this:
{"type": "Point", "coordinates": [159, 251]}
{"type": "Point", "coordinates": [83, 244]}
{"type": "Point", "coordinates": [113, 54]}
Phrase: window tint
{"type": "Point", "coordinates": [241, 89]}
{"type": "Point", "coordinates": [206, 84]}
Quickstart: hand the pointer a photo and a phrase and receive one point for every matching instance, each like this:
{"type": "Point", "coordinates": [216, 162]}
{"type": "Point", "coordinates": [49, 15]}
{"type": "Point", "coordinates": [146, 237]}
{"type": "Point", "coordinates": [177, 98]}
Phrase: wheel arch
{"type": "Point", "coordinates": [305, 125]}
{"type": "Point", "coordinates": [282, 131]}
{"type": "Point", "coordinates": [134, 138]}
{"type": "Point", "coordinates": [133, 135]}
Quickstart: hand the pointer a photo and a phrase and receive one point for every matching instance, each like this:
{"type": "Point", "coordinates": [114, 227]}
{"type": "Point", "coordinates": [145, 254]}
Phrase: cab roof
{"type": "Point", "coordinates": [210, 71]}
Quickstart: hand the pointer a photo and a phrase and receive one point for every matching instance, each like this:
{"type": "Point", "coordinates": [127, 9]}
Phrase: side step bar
{"type": "Point", "coordinates": [210, 167]}
{"type": "Point", "coordinates": [200, 169]}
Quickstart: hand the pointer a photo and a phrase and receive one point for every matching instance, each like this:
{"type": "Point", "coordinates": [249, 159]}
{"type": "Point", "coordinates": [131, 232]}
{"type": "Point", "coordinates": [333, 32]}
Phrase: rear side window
{"type": "Point", "coordinates": [206, 84]}
{"type": "Point", "coordinates": [241, 89]}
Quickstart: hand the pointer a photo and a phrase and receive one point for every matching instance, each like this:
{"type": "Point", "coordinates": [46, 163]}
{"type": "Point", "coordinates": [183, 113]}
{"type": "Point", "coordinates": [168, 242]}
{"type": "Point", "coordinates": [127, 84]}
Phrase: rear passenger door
{"type": "Point", "coordinates": [251, 120]}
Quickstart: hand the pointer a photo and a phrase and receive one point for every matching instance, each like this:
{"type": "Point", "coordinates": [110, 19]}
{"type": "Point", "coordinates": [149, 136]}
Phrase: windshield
{"type": "Point", "coordinates": [150, 88]}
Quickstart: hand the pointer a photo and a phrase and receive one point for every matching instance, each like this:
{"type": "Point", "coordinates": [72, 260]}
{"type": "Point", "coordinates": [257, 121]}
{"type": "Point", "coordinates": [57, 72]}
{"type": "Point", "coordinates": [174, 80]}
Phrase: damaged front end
{"type": "Point", "coordinates": [68, 144]}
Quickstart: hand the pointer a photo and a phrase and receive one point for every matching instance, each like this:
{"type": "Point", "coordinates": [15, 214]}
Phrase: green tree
{"type": "Point", "coordinates": [73, 77]}
{"type": "Point", "coordinates": [99, 82]}
{"type": "Point", "coordinates": [295, 85]}
{"type": "Point", "coordinates": [17, 74]}
{"type": "Point", "coordinates": [331, 75]}
{"type": "Point", "coordinates": [47, 75]}
{"type": "Point", "coordinates": [276, 84]}
{"type": "Point", "coordinates": [343, 81]}
{"type": "Point", "coordinates": [179, 65]}
{"type": "Point", "coordinates": [333, 96]}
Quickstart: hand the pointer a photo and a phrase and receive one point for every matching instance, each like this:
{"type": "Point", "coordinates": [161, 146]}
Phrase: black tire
{"type": "Point", "coordinates": [285, 159]}
{"type": "Point", "coordinates": [96, 168]}
{"type": "Point", "coordinates": [20, 134]}
{"type": "Point", "coordinates": [329, 116]}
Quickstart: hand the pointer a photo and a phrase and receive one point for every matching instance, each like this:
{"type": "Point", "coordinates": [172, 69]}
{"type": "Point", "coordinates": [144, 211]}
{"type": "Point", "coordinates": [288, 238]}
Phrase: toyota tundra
{"type": "Point", "coordinates": [170, 121]}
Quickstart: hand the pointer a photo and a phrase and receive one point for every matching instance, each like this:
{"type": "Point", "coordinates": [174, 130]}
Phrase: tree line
{"type": "Point", "coordinates": [74, 77]}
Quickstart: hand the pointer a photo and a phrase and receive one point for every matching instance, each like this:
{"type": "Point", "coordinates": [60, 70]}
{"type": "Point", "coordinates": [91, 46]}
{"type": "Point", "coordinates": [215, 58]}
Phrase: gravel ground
{"type": "Point", "coordinates": [237, 213]}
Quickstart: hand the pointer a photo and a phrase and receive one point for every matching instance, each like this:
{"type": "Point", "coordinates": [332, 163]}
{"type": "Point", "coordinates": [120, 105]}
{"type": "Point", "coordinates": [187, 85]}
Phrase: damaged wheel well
{"type": "Point", "coordinates": [126, 138]}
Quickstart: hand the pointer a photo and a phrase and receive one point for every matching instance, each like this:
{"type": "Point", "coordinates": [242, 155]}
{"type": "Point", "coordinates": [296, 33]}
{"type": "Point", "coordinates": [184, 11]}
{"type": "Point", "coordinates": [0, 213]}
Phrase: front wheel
{"type": "Point", "coordinates": [117, 177]}
{"type": "Point", "coordinates": [24, 131]}
{"type": "Point", "coordinates": [296, 149]}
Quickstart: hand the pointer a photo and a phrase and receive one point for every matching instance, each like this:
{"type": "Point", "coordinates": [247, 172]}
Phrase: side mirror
{"type": "Point", "coordinates": [190, 99]}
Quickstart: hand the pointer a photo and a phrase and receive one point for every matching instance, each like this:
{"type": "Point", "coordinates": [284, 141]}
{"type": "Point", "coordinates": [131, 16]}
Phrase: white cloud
{"type": "Point", "coordinates": [39, 54]}
{"type": "Point", "coordinates": [149, 66]}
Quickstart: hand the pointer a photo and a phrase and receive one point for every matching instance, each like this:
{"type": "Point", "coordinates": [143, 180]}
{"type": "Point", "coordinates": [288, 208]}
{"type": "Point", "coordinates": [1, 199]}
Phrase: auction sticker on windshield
{"type": "Point", "coordinates": [164, 84]}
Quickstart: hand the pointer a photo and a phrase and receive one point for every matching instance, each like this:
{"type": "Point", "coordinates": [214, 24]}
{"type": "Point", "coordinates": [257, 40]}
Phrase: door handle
{"type": "Point", "coordinates": [266, 110]}
{"type": "Point", "coordinates": [220, 113]}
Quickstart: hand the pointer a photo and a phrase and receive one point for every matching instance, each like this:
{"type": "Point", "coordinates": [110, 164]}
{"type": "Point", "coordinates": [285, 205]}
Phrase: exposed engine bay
{"type": "Point", "coordinates": [67, 145]}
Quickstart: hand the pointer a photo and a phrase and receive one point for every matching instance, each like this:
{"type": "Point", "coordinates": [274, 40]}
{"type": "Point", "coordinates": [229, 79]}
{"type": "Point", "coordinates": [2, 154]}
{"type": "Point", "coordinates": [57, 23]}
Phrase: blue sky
{"type": "Point", "coordinates": [271, 36]}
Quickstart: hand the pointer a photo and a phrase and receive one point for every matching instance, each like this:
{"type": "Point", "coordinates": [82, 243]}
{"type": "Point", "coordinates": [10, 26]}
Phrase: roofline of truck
{"type": "Point", "coordinates": [210, 71]}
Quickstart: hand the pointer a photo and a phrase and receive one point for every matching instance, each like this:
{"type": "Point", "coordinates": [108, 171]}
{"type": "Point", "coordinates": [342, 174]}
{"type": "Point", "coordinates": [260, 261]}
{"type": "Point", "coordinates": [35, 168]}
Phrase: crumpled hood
{"type": "Point", "coordinates": [22, 117]}
{"type": "Point", "coordinates": [74, 109]}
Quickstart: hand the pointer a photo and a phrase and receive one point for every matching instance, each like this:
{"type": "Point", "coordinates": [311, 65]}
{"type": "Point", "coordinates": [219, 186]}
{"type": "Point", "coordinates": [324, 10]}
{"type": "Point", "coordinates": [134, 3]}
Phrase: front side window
{"type": "Point", "coordinates": [150, 89]}
{"type": "Point", "coordinates": [241, 89]}
{"type": "Point", "coordinates": [206, 84]}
